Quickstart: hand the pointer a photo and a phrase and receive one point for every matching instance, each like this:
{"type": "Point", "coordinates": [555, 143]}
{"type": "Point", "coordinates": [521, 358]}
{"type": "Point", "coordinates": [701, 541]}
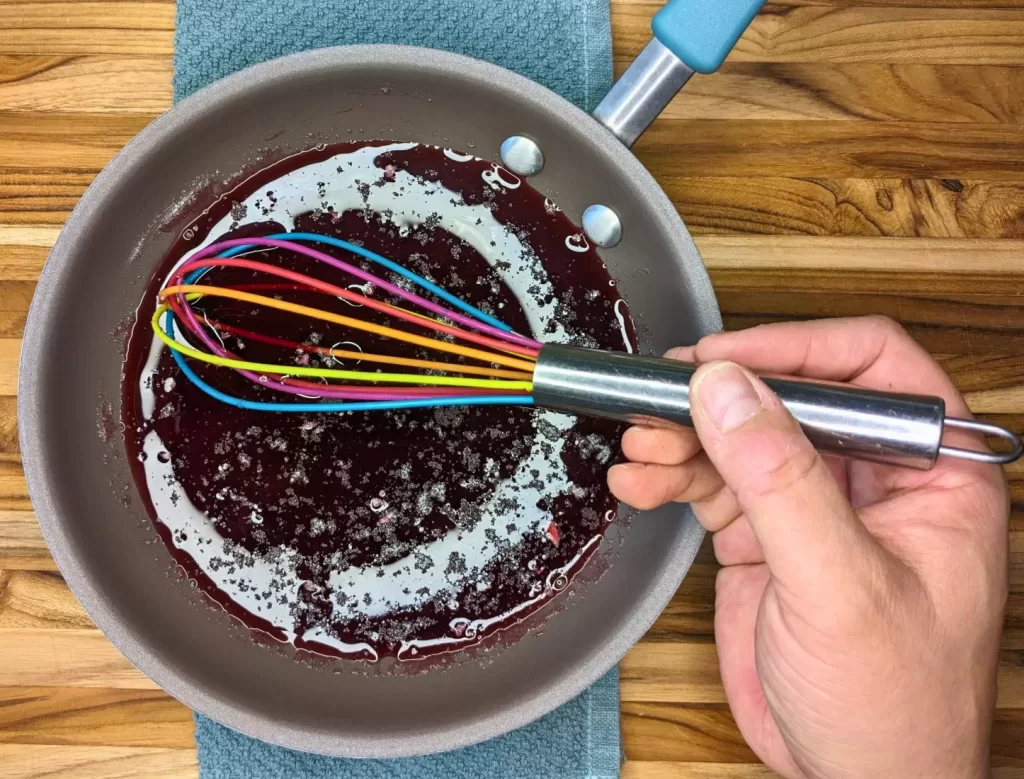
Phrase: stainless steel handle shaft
{"type": "Point", "coordinates": [636, 99]}
{"type": "Point", "coordinates": [904, 430]}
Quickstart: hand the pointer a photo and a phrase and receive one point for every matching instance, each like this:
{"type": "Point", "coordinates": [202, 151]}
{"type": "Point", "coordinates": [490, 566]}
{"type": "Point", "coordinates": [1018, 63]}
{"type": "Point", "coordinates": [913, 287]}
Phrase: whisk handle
{"type": "Point", "coordinates": [863, 424]}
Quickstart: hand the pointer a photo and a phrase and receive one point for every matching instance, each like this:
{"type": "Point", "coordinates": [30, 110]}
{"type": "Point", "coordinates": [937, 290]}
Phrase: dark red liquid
{"type": "Point", "coordinates": [320, 480]}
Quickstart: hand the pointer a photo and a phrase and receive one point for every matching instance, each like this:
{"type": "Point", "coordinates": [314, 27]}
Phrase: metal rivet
{"type": "Point", "coordinates": [602, 226]}
{"type": "Point", "coordinates": [522, 156]}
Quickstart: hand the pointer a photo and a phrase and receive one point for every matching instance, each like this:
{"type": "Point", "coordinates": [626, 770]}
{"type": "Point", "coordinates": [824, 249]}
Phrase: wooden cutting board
{"type": "Point", "coordinates": [851, 158]}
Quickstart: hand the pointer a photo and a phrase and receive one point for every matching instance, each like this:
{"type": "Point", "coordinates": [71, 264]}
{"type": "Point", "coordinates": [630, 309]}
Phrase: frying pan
{"type": "Point", "coordinates": [79, 480]}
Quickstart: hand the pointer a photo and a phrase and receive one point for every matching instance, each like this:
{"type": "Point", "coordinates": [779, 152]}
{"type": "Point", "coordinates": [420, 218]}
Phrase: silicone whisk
{"type": "Point", "coordinates": [498, 363]}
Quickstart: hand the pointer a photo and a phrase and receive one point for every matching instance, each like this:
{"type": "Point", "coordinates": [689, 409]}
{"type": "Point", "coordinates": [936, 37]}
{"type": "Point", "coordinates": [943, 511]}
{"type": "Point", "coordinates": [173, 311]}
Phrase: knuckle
{"type": "Point", "coordinates": [704, 482]}
{"type": "Point", "coordinates": [715, 519]}
{"type": "Point", "coordinates": [727, 591]}
{"type": "Point", "coordinates": [787, 472]}
{"type": "Point", "coordinates": [680, 485]}
{"type": "Point", "coordinates": [674, 449]}
{"type": "Point", "coordinates": [886, 324]}
{"type": "Point", "coordinates": [654, 487]}
{"type": "Point", "coordinates": [707, 487]}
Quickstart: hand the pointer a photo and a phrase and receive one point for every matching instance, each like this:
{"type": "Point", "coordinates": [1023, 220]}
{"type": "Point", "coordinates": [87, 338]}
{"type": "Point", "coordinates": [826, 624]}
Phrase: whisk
{"type": "Point", "coordinates": [500, 367]}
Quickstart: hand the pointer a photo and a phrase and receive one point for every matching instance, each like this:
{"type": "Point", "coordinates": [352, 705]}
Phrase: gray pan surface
{"type": "Point", "coordinates": [87, 504]}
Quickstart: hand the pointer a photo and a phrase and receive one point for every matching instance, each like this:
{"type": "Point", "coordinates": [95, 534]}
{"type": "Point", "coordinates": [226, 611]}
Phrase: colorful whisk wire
{"type": "Point", "coordinates": [504, 360]}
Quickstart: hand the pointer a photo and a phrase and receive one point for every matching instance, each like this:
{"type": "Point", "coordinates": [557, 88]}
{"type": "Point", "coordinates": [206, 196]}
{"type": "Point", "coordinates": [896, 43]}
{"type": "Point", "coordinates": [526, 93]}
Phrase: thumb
{"type": "Point", "coordinates": [811, 538]}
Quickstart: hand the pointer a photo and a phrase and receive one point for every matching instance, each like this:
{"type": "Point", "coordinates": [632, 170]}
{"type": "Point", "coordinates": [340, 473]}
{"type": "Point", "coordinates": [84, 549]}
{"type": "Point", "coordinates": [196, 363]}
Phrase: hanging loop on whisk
{"type": "Point", "coordinates": [985, 429]}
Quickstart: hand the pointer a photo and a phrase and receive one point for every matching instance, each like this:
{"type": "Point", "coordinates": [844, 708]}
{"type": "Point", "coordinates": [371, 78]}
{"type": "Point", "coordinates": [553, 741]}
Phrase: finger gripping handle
{"type": "Point", "coordinates": [703, 32]}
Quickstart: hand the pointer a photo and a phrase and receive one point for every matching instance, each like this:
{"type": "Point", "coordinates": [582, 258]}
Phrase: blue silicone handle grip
{"type": "Point", "coordinates": [703, 32]}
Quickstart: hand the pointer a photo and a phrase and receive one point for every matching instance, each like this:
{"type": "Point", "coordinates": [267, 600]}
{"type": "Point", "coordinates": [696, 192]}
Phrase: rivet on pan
{"type": "Point", "coordinates": [602, 226]}
{"type": "Point", "coordinates": [522, 156]}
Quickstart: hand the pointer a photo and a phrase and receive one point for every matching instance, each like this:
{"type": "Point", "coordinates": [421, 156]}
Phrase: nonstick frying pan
{"type": "Point", "coordinates": [98, 271]}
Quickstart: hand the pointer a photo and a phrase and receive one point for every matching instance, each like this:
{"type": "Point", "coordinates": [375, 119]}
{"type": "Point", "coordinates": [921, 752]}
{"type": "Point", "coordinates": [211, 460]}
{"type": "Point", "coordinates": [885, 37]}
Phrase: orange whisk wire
{"type": "Point", "coordinates": [346, 354]}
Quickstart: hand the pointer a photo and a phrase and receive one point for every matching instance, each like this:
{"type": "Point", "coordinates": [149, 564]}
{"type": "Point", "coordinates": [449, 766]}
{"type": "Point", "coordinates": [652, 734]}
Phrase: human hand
{"type": "Point", "coordinates": [860, 606]}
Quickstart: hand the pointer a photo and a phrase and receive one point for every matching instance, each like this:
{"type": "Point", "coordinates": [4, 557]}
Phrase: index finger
{"type": "Point", "coordinates": [872, 352]}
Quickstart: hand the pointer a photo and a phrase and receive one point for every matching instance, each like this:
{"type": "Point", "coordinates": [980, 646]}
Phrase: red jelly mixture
{"type": "Point", "coordinates": [391, 533]}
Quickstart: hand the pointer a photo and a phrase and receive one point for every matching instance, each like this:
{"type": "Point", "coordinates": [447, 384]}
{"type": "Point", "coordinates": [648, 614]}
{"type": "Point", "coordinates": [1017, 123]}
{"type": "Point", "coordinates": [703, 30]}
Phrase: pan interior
{"type": "Point", "coordinates": [71, 374]}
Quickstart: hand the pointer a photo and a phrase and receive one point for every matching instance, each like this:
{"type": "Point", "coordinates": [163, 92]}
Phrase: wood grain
{"type": "Point", "coordinates": [797, 91]}
{"type": "Point", "coordinates": [853, 156]}
{"type": "Point", "coordinates": [40, 197]}
{"type": "Point", "coordinates": [932, 261]}
{"type": "Point", "coordinates": [65, 657]}
{"type": "Point", "coordinates": [21, 761]}
{"type": "Point", "coordinates": [86, 28]}
{"type": "Point", "coordinates": [94, 717]}
{"type": "Point", "coordinates": [966, 325]}
{"type": "Point", "coordinates": [23, 251]}
{"type": "Point", "coordinates": [896, 208]}
{"type": "Point", "coordinates": [891, 34]}
{"type": "Point", "coordinates": [66, 142]}
{"type": "Point", "coordinates": [84, 84]}
{"type": "Point", "coordinates": [655, 732]}
{"type": "Point", "coordinates": [10, 351]}
{"type": "Point", "coordinates": [654, 770]}
{"type": "Point", "coordinates": [670, 672]}
{"type": "Point", "coordinates": [682, 734]}
{"type": "Point", "coordinates": [13, 489]}
{"type": "Point", "coordinates": [15, 298]}
{"type": "Point", "coordinates": [9, 425]}
{"type": "Point", "coordinates": [21, 548]}
{"type": "Point", "coordinates": [39, 599]}
{"type": "Point", "coordinates": [831, 149]}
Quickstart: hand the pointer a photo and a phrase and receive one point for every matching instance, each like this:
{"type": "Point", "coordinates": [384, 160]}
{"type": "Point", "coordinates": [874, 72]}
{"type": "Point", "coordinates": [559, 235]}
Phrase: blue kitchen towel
{"type": "Point", "coordinates": [563, 44]}
{"type": "Point", "coordinates": [578, 741]}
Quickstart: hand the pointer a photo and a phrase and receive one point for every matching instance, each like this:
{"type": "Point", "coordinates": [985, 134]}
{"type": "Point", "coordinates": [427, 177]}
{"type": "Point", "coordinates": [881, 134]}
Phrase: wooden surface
{"type": "Point", "coordinates": [852, 157]}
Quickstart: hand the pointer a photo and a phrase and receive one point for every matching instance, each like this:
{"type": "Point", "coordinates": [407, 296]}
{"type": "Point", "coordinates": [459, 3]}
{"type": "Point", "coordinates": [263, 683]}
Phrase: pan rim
{"type": "Point", "coordinates": [175, 679]}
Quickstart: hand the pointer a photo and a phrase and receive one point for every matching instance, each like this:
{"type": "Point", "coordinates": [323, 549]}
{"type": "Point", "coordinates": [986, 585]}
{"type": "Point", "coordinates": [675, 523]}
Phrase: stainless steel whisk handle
{"type": "Point", "coordinates": [863, 424]}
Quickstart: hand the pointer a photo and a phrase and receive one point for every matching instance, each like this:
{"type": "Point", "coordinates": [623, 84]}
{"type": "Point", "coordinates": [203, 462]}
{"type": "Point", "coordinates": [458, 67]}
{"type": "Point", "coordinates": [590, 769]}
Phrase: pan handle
{"type": "Point", "coordinates": [690, 36]}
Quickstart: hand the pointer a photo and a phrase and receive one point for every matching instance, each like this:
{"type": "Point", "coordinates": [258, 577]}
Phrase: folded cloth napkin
{"type": "Point", "coordinates": [563, 44]}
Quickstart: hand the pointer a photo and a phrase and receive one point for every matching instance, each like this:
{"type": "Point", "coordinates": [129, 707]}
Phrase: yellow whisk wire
{"type": "Point", "coordinates": [409, 362]}
{"type": "Point", "coordinates": [326, 373]}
